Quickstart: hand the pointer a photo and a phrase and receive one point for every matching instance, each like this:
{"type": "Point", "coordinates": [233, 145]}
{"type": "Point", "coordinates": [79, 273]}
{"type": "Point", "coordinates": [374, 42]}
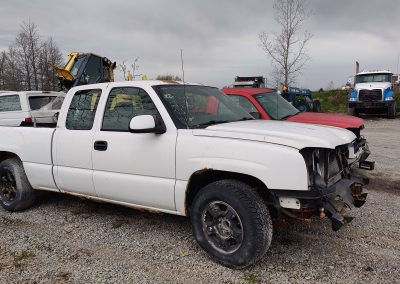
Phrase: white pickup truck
{"type": "Point", "coordinates": [168, 147]}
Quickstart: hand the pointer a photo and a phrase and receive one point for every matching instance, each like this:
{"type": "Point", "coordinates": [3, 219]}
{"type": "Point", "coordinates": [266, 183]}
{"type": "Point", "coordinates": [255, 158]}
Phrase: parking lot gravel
{"type": "Point", "coordinates": [63, 239]}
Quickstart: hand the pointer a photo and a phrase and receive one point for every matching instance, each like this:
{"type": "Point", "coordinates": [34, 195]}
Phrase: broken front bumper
{"type": "Point", "coordinates": [333, 201]}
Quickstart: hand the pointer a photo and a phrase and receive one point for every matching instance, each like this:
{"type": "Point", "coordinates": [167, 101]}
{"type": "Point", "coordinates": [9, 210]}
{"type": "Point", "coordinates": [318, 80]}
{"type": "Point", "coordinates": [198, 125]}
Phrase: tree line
{"type": "Point", "coordinates": [28, 62]}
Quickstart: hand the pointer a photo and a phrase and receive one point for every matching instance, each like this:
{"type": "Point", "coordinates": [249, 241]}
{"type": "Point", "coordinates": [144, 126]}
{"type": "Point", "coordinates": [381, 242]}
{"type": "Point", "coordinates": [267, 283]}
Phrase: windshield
{"type": "Point", "coordinates": [370, 78]}
{"type": "Point", "coordinates": [276, 106]}
{"type": "Point", "coordinates": [199, 106]}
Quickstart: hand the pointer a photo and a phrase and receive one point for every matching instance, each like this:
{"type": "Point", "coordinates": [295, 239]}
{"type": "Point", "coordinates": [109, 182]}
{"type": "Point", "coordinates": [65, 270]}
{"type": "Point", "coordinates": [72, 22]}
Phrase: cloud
{"type": "Point", "coordinates": [219, 38]}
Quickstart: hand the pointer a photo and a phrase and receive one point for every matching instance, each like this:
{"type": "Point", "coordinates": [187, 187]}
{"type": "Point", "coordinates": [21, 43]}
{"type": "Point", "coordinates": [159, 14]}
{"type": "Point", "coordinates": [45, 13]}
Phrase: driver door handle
{"type": "Point", "coordinates": [100, 145]}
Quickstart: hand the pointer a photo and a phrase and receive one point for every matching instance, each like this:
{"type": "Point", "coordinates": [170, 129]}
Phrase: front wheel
{"type": "Point", "coordinates": [353, 111]}
{"type": "Point", "coordinates": [392, 111]}
{"type": "Point", "coordinates": [231, 223]}
{"type": "Point", "coordinates": [16, 193]}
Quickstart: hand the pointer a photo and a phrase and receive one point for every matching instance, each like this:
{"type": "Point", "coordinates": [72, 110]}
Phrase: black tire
{"type": "Point", "coordinates": [392, 111]}
{"type": "Point", "coordinates": [316, 106]}
{"type": "Point", "coordinates": [353, 111]}
{"type": "Point", "coordinates": [16, 193]}
{"type": "Point", "coordinates": [302, 106]}
{"type": "Point", "coordinates": [237, 240]}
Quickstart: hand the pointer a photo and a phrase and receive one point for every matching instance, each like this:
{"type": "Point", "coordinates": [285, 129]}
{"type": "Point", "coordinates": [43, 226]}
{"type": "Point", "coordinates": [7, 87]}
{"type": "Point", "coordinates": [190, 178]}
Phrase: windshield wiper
{"type": "Point", "coordinates": [209, 123]}
{"type": "Point", "coordinates": [246, 118]}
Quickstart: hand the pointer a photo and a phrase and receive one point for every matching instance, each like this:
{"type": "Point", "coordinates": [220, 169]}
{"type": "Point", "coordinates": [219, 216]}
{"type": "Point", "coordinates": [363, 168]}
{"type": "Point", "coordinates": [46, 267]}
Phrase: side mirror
{"type": "Point", "coordinates": [146, 124]}
{"type": "Point", "coordinates": [255, 114]}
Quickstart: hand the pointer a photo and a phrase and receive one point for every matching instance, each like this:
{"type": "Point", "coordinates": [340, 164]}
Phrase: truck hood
{"type": "Point", "coordinates": [296, 135]}
{"type": "Point", "coordinates": [337, 120]}
{"type": "Point", "coordinates": [372, 85]}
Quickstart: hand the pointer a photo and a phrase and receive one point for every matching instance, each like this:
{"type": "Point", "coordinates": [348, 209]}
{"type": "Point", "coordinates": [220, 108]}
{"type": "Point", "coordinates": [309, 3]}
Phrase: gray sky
{"type": "Point", "coordinates": [219, 38]}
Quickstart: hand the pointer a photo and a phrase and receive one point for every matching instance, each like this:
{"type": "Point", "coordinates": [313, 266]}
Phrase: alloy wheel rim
{"type": "Point", "coordinates": [8, 186]}
{"type": "Point", "coordinates": [222, 227]}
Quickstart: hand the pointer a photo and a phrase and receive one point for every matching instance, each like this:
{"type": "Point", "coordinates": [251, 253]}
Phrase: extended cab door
{"type": "Point", "coordinates": [73, 142]}
{"type": "Point", "coordinates": [134, 168]}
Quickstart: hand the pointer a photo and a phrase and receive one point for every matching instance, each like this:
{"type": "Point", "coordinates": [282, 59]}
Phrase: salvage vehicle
{"type": "Point", "coordinates": [151, 145]}
{"type": "Point", "coordinates": [17, 108]}
{"type": "Point", "coordinates": [267, 104]}
{"type": "Point", "coordinates": [373, 91]}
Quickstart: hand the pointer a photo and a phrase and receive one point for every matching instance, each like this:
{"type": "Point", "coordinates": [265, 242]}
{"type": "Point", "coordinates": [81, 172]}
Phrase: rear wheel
{"type": "Point", "coordinates": [302, 106]}
{"type": "Point", "coordinates": [15, 191]}
{"type": "Point", "coordinates": [392, 111]}
{"type": "Point", "coordinates": [231, 223]}
{"type": "Point", "coordinates": [316, 106]}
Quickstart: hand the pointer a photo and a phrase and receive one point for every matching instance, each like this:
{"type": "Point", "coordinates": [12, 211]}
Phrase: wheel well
{"type": "Point", "coordinates": [7, 155]}
{"type": "Point", "coordinates": [201, 178]}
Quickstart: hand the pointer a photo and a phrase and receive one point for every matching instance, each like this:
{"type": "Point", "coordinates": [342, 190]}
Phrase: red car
{"type": "Point", "coordinates": [267, 104]}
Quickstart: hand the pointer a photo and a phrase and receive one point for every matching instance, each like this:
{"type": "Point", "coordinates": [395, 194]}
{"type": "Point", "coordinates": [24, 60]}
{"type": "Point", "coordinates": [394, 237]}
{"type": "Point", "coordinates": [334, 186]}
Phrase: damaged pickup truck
{"type": "Point", "coordinates": [151, 145]}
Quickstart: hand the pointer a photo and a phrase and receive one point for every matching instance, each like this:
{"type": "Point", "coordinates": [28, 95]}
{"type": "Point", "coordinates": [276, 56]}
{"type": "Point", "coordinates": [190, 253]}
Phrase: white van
{"type": "Point", "coordinates": [17, 108]}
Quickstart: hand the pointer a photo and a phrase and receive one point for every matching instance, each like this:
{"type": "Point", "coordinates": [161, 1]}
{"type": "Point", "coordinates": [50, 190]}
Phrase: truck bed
{"type": "Point", "coordinates": [34, 147]}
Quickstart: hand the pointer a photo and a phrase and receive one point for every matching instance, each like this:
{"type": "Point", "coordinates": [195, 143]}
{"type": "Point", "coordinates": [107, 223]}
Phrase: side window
{"type": "Point", "coordinates": [244, 103]}
{"type": "Point", "coordinates": [10, 103]}
{"type": "Point", "coordinates": [82, 110]}
{"type": "Point", "coordinates": [123, 104]}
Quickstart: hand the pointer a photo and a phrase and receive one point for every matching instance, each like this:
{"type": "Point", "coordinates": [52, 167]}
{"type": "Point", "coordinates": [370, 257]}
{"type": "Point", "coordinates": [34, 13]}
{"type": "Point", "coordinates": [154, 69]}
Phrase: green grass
{"type": "Point", "coordinates": [25, 254]}
{"type": "Point", "coordinates": [335, 101]}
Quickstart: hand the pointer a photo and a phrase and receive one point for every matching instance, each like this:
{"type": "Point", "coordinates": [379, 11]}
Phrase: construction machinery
{"type": "Point", "coordinates": [302, 99]}
{"type": "Point", "coordinates": [85, 68]}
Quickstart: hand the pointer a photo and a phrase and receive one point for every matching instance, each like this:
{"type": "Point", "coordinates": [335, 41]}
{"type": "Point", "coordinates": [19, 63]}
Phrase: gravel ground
{"type": "Point", "coordinates": [67, 240]}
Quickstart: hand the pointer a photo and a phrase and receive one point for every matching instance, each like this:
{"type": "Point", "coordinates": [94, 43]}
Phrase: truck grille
{"type": "Point", "coordinates": [370, 95]}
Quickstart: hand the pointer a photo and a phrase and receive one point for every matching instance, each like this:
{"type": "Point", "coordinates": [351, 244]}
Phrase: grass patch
{"type": "Point", "coordinates": [336, 101]}
{"type": "Point", "coordinates": [24, 255]}
{"type": "Point", "coordinates": [252, 278]}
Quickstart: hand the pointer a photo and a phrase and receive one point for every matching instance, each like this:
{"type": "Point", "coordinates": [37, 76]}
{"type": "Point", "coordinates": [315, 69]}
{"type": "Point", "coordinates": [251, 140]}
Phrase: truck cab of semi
{"type": "Point", "coordinates": [373, 91]}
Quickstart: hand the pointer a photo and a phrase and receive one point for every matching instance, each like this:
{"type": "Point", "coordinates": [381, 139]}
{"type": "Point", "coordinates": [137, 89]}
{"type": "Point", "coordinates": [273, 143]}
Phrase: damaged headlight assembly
{"type": "Point", "coordinates": [332, 187]}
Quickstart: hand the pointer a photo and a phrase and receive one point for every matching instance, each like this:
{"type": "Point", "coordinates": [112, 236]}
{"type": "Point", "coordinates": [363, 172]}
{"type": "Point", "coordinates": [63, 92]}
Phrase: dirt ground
{"type": "Point", "coordinates": [67, 240]}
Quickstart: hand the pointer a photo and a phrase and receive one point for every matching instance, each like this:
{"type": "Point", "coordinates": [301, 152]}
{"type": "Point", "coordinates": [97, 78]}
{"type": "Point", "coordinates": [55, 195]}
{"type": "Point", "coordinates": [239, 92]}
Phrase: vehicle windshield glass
{"type": "Point", "coordinates": [276, 106]}
{"type": "Point", "coordinates": [370, 78]}
{"type": "Point", "coordinates": [77, 65]}
{"type": "Point", "coordinates": [199, 106]}
{"type": "Point", "coordinates": [38, 102]}
{"type": "Point", "coordinates": [54, 104]}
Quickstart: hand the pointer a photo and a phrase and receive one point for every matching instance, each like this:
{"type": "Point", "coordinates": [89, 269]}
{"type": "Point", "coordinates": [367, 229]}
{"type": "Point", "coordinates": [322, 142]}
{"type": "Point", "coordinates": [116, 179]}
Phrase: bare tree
{"type": "Point", "coordinates": [169, 77]}
{"type": "Point", "coordinates": [124, 70]}
{"type": "Point", "coordinates": [287, 48]}
{"type": "Point", "coordinates": [28, 62]}
{"type": "Point", "coordinates": [3, 58]}
{"type": "Point", "coordinates": [49, 57]}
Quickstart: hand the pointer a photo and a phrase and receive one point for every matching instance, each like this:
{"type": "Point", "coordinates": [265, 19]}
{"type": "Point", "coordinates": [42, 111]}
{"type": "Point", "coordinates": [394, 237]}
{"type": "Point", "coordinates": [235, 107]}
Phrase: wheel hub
{"type": "Point", "coordinates": [8, 187]}
{"type": "Point", "coordinates": [222, 227]}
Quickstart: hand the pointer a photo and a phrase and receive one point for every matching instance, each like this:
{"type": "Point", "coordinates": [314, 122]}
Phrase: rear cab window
{"type": "Point", "coordinates": [37, 102]}
{"type": "Point", "coordinates": [82, 110]}
{"type": "Point", "coordinates": [10, 103]}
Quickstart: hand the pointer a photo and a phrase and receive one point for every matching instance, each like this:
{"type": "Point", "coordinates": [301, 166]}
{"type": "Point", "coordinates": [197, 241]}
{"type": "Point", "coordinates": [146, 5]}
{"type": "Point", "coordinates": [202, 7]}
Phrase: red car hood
{"type": "Point", "coordinates": [337, 120]}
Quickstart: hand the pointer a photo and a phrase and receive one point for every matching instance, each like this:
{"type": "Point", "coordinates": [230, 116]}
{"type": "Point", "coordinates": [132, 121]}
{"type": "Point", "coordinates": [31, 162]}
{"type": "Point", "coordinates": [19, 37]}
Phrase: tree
{"type": "Point", "coordinates": [28, 62]}
{"type": "Point", "coordinates": [169, 77]}
{"type": "Point", "coordinates": [287, 48]}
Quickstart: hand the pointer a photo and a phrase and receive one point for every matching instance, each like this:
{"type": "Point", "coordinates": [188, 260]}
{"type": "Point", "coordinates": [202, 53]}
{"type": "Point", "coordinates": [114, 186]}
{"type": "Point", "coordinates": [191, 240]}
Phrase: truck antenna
{"type": "Point", "coordinates": [184, 91]}
{"type": "Point", "coordinates": [183, 70]}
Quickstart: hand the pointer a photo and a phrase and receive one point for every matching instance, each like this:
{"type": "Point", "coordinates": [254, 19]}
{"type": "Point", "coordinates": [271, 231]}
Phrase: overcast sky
{"type": "Point", "coordinates": [219, 38]}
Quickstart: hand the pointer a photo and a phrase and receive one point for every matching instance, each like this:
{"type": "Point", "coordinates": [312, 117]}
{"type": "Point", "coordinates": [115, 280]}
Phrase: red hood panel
{"type": "Point", "coordinates": [337, 120]}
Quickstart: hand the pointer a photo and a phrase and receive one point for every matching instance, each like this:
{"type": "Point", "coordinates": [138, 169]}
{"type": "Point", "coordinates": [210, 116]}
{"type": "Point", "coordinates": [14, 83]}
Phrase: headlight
{"type": "Point", "coordinates": [324, 166]}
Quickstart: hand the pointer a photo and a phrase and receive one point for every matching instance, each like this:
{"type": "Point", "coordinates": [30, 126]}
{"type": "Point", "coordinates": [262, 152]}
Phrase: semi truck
{"type": "Point", "coordinates": [373, 92]}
